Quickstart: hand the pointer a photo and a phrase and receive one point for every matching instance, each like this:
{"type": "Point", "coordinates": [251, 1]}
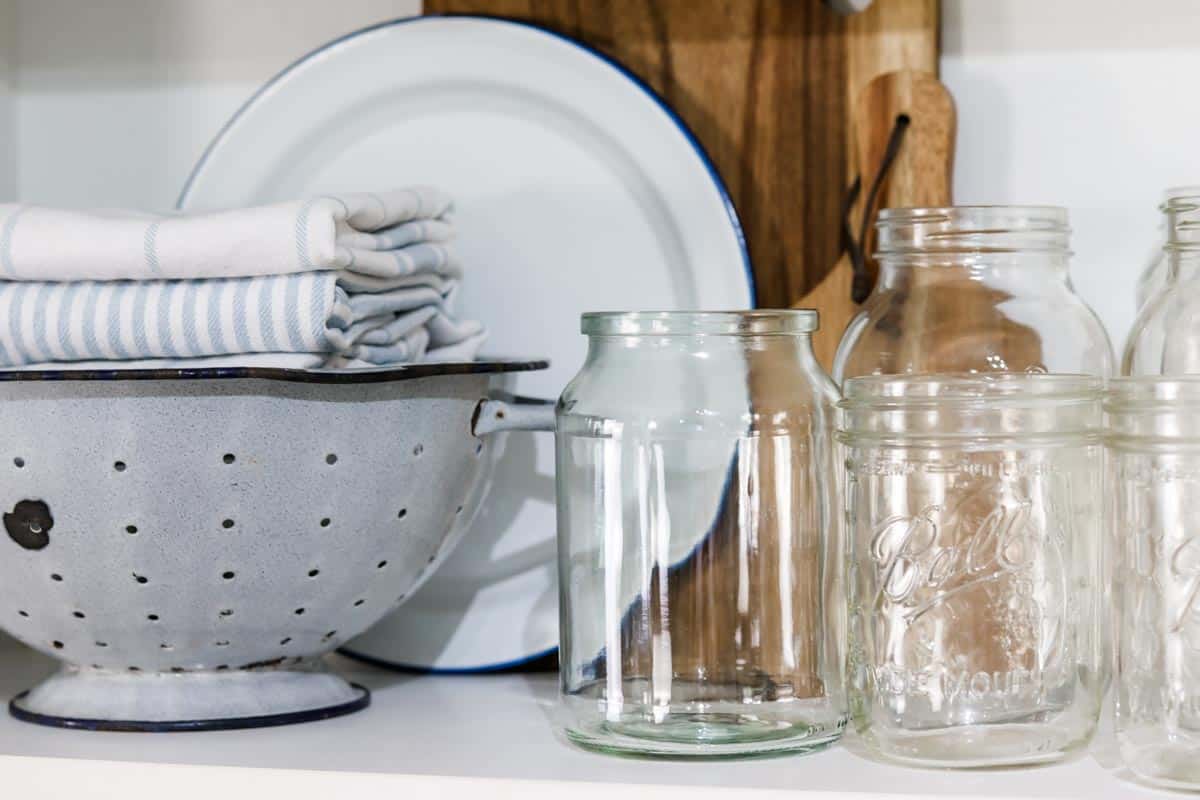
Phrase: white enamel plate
{"type": "Point", "coordinates": [576, 189]}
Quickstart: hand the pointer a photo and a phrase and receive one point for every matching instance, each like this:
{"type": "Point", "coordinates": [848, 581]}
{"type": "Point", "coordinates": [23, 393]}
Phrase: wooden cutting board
{"type": "Point", "coordinates": [769, 88]}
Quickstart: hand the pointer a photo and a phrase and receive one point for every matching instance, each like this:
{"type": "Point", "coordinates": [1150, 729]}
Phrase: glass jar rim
{"type": "Point", "coordinates": [787, 321]}
{"type": "Point", "coordinates": [923, 232]}
{"type": "Point", "coordinates": [969, 389]}
{"type": "Point", "coordinates": [1153, 392]}
{"type": "Point", "coordinates": [1187, 194]}
{"type": "Point", "coordinates": [1035, 217]}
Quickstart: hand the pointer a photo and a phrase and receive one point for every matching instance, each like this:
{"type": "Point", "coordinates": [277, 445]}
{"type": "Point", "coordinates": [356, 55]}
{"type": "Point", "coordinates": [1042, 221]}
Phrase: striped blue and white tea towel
{"type": "Point", "coordinates": [311, 319]}
{"type": "Point", "coordinates": [382, 234]}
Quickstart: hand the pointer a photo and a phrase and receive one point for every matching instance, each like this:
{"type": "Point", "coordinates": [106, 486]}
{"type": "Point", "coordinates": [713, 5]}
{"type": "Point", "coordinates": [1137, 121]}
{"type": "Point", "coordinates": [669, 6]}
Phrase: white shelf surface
{"type": "Point", "coordinates": [466, 736]}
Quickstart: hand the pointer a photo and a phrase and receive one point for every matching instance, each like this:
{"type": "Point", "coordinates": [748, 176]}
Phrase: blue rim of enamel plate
{"type": "Point", "coordinates": [702, 154]}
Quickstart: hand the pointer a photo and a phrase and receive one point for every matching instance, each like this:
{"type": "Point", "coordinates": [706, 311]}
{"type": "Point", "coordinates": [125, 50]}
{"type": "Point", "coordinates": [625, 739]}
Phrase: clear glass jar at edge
{"type": "Point", "coordinates": [976, 531]}
{"type": "Point", "coordinates": [973, 289]}
{"type": "Point", "coordinates": [1155, 275]}
{"type": "Point", "coordinates": [1154, 440]}
{"type": "Point", "coordinates": [700, 567]}
{"type": "Point", "coordinates": [1165, 338]}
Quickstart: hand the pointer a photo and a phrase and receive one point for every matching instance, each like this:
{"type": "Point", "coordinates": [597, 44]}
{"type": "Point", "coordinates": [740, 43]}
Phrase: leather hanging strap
{"type": "Point", "coordinates": [854, 246]}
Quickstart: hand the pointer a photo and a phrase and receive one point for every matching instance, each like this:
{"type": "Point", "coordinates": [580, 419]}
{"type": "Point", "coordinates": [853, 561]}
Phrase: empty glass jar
{"type": "Point", "coordinates": [973, 289]}
{"type": "Point", "coordinates": [700, 569]}
{"type": "Point", "coordinates": [1155, 444]}
{"type": "Point", "coordinates": [1165, 339]}
{"type": "Point", "coordinates": [974, 506]}
{"type": "Point", "coordinates": [1155, 274]}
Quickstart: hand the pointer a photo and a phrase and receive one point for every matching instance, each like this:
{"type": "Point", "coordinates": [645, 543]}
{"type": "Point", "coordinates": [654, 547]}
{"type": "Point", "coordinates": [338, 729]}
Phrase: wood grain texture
{"type": "Point", "coordinates": [767, 86]}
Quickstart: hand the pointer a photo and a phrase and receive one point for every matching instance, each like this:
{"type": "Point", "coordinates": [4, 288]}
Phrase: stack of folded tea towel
{"type": "Point", "coordinates": [345, 280]}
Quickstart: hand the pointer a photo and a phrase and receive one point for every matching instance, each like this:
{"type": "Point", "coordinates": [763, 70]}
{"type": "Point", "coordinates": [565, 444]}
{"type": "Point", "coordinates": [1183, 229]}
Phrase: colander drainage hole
{"type": "Point", "coordinates": [228, 575]}
{"type": "Point", "coordinates": [312, 573]}
{"type": "Point", "coordinates": [54, 576]}
{"type": "Point", "coordinates": [418, 450]}
{"type": "Point", "coordinates": [176, 669]}
{"type": "Point", "coordinates": [381, 565]}
{"type": "Point", "coordinates": [403, 513]}
{"type": "Point", "coordinates": [226, 523]}
{"type": "Point", "coordinates": [285, 640]}
{"type": "Point", "coordinates": [222, 643]}
{"type": "Point", "coordinates": [226, 612]}
{"type": "Point", "coordinates": [18, 462]}
{"type": "Point", "coordinates": [57, 644]}
{"type": "Point", "coordinates": [325, 522]}
{"type": "Point", "coordinates": [298, 612]}
{"type": "Point", "coordinates": [458, 510]}
{"type": "Point", "coordinates": [331, 459]}
{"type": "Point", "coordinates": [358, 603]}
{"type": "Point", "coordinates": [23, 613]}
{"type": "Point", "coordinates": [478, 448]}
{"type": "Point", "coordinates": [77, 614]}
{"type": "Point", "coordinates": [119, 466]}
{"type": "Point", "coordinates": [138, 578]}
{"type": "Point", "coordinates": [101, 644]}
{"type": "Point", "coordinates": [329, 636]}
{"type": "Point", "coordinates": [131, 529]}
{"type": "Point", "coordinates": [152, 617]}
{"type": "Point", "coordinates": [229, 458]}
{"type": "Point", "coordinates": [222, 667]}
{"type": "Point", "coordinates": [165, 646]}
{"type": "Point", "coordinates": [135, 669]}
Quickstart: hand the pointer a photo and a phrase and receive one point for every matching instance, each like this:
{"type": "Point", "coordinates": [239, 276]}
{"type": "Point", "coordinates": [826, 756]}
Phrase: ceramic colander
{"type": "Point", "coordinates": [189, 542]}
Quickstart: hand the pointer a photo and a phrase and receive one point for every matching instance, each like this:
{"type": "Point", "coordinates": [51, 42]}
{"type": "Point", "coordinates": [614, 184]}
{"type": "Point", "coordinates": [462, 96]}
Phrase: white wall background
{"type": "Point", "coordinates": [116, 99]}
{"type": "Point", "coordinates": [1082, 103]}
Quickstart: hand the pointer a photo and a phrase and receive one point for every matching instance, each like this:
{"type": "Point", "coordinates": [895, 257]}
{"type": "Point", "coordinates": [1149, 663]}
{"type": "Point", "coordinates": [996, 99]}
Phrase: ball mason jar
{"type": "Point", "coordinates": [973, 289]}
{"type": "Point", "coordinates": [700, 567]}
{"type": "Point", "coordinates": [973, 503]}
{"type": "Point", "coordinates": [1154, 441]}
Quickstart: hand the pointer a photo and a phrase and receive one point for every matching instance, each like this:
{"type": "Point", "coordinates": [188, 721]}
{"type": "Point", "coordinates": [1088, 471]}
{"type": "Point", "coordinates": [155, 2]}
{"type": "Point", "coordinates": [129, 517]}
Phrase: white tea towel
{"type": "Point", "coordinates": [382, 234]}
{"type": "Point", "coordinates": [406, 319]}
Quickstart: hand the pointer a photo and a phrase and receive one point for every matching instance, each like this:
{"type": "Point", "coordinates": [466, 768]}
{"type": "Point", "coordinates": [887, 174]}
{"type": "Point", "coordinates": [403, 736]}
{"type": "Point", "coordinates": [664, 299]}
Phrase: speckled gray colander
{"type": "Point", "coordinates": [189, 543]}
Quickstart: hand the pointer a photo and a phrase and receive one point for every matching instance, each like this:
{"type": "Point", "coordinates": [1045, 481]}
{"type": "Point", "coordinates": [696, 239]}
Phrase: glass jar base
{"type": "Point", "coordinates": [706, 736]}
{"type": "Point", "coordinates": [977, 746]}
{"type": "Point", "coordinates": [1168, 766]}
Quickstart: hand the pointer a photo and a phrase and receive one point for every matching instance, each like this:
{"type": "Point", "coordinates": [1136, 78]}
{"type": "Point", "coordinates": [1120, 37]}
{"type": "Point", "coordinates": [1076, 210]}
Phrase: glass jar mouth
{"type": "Point", "coordinates": [759, 322]}
{"type": "Point", "coordinates": [1153, 393]}
{"type": "Point", "coordinates": [985, 410]}
{"type": "Point", "coordinates": [1183, 221]}
{"type": "Point", "coordinates": [982, 390]}
{"type": "Point", "coordinates": [973, 229]}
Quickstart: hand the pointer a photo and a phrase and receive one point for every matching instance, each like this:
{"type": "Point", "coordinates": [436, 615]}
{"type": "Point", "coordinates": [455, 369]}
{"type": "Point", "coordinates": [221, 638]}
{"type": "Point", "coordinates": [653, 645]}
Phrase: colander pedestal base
{"type": "Point", "coordinates": [96, 699]}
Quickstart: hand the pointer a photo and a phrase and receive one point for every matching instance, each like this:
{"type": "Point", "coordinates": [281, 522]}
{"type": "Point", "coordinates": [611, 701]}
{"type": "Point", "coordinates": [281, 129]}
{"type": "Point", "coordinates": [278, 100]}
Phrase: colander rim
{"type": "Point", "coordinates": [390, 374]}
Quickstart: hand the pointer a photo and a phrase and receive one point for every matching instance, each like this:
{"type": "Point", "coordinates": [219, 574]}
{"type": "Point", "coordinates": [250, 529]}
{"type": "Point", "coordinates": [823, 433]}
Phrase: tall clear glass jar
{"type": "Point", "coordinates": [1165, 338]}
{"type": "Point", "coordinates": [974, 507]}
{"type": "Point", "coordinates": [700, 566]}
{"type": "Point", "coordinates": [1155, 444]}
{"type": "Point", "coordinates": [973, 289]}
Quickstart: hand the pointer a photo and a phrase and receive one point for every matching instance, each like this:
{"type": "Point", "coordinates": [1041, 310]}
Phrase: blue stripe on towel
{"type": "Point", "coordinates": [241, 330]}
{"type": "Point", "coordinates": [141, 295]}
{"type": "Point", "coordinates": [296, 317]}
{"type": "Point", "coordinates": [215, 335]}
{"type": "Point", "coordinates": [166, 340]}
